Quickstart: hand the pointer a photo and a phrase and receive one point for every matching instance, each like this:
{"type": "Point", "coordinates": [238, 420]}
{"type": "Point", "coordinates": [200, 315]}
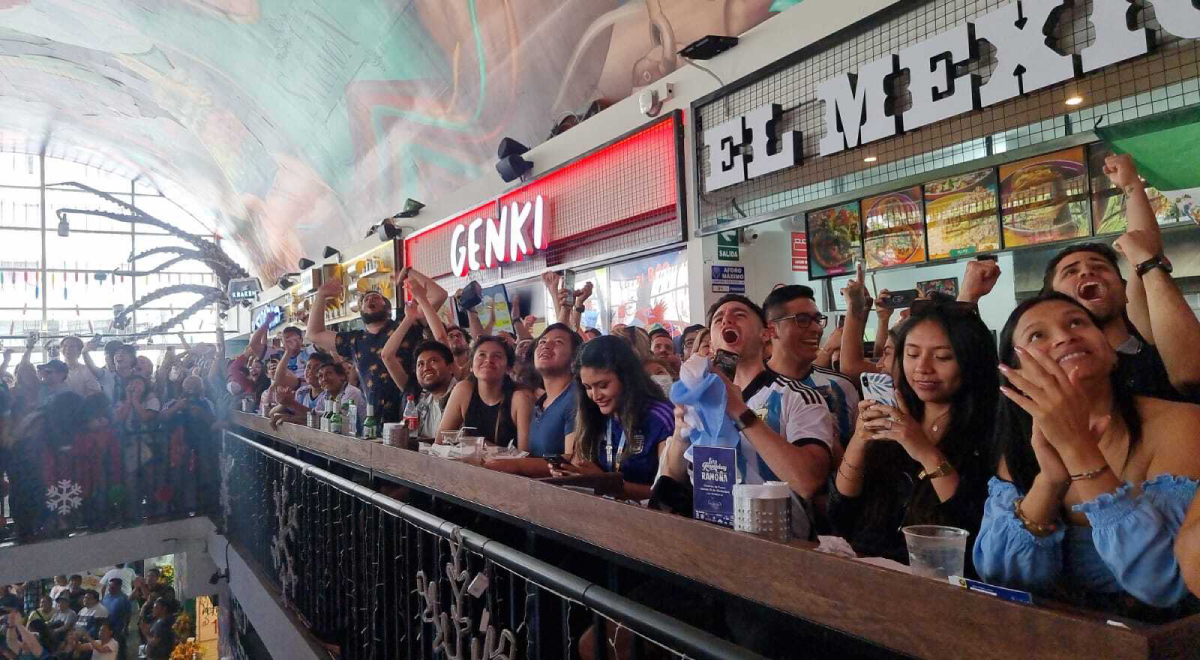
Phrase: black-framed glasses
{"type": "Point", "coordinates": [804, 320]}
{"type": "Point", "coordinates": [953, 307]}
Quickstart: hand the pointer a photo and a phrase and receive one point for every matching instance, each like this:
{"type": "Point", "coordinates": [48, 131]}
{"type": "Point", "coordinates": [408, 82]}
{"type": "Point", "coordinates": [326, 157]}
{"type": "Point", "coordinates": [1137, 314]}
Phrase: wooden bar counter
{"type": "Point", "coordinates": [912, 615]}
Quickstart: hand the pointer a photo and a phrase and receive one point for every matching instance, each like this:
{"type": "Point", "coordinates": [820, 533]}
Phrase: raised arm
{"type": "Point", "coordinates": [391, 349]}
{"type": "Point", "coordinates": [434, 320]}
{"type": "Point", "coordinates": [576, 312]}
{"type": "Point", "coordinates": [1156, 306]}
{"type": "Point", "coordinates": [8, 358]}
{"type": "Point", "coordinates": [316, 333]}
{"type": "Point", "coordinates": [162, 376]}
{"type": "Point", "coordinates": [520, 325]}
{"type": "Point", "coordinates": [258, 341]}
{"type": "Point", "coordinates": [979, 279]}
{"type": "Point", "coordinates": [433, 291]}
{"type": "Point", "coordinates": [858, 306]}
{"type": "Point", "coordinates": [283, 377]}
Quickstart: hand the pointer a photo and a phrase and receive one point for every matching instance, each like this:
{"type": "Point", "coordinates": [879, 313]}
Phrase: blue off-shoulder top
{"type": "Point", "coordinates": [1128, 548]}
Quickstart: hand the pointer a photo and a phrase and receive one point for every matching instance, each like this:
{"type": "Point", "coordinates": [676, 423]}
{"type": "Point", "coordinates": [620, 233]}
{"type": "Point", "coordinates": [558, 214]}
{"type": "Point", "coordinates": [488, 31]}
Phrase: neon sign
{"type": "Point", "coordinates": [484, 243]}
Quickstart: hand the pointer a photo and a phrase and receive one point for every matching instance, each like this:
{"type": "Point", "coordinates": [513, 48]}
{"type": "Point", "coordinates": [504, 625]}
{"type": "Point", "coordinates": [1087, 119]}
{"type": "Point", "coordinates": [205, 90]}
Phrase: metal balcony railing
{"type": "Point", "coordinates": [382, 579]}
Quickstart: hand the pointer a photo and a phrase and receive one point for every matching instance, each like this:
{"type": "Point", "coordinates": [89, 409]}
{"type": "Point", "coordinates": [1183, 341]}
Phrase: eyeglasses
{"type": "Point", "coordinates": [804, 320]}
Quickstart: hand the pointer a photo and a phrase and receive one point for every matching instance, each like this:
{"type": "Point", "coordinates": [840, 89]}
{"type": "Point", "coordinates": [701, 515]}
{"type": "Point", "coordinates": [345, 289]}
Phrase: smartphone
{"type": "Point", "coordinates": [725, 362]}
{"type": "Point", "coordinates": [900, 299]}
{"type": "Point", "coordinates": [556, 461]}
{"type": "Point", "coordinates": [879, 388]}
{"type": "Point", "coordinates": [987, 257]}
{"type": "Point", "coordinates": [568, 282]}
{"type": "Point", "coordinates": [472, 295]}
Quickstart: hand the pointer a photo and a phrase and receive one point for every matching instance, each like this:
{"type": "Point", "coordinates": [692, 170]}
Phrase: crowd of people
{"type": "Point", "coordinates": [93, 446]}
{"type": "Point", "coordinates": [1068, 451]}
{"type": "Point", "coordinates": [69, 622]}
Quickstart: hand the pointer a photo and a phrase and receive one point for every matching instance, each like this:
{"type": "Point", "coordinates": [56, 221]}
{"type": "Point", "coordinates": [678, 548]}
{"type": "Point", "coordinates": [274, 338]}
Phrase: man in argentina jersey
{"type": "Point", "coordinates": [797, 325]}
{"type": "Point", "coordinates": [786, 430]}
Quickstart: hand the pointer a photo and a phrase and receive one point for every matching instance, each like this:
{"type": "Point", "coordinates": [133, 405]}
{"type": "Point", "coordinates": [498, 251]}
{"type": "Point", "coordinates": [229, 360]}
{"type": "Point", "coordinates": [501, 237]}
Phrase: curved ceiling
{"type": "Point", "coordinates": [302, 122]}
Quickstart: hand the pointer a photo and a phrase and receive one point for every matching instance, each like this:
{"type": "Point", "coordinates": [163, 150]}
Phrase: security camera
{"type": "Point", "coordinates": [749, 235]}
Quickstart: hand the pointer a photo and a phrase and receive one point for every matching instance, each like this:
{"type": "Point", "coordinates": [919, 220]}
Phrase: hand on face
{"type": "Point", "coordinates": [1059, 407]}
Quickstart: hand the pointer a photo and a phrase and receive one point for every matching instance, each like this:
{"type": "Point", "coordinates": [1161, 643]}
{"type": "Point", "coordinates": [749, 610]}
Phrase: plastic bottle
{"type": "Point", "coordinates": [335, 421]}
{"type": "Point", "coordinates": [411, 417]}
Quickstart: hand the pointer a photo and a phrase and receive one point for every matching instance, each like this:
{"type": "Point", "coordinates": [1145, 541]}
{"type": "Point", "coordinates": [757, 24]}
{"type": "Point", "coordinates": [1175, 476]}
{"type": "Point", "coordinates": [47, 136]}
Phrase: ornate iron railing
{"type": "Point", "coordinates": [382, 579]}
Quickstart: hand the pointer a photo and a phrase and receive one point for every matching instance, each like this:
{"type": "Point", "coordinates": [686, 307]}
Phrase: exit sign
{"type": "Point", "coordinates": [727, 246]}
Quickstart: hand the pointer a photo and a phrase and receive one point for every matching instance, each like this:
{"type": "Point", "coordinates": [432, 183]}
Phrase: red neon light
{"type": "Point", "coordinates": [632, 178]}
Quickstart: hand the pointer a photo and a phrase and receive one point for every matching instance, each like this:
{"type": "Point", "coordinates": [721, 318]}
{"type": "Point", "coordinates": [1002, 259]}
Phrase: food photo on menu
{"type": "Point", "coordinates": [961, 215]}
{"type": "Point", "coordinates": [1108, 201]}
{"type": "Point", "coordinates": [894, 233]}
{"type": "Point", "coordinates": [834, 240]}
{"type": "Point", "coordinates": [1045, 199]}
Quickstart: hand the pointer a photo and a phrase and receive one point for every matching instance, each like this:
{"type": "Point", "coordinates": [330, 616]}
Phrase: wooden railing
{"type": "Point", "coordinates": [912, 615]}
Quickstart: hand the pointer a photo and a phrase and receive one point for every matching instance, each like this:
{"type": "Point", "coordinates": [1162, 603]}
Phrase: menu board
{"type": "Point", "coordinates": [1108, 201]}
{"type": "Point", "coordinates": [1045, 199]}
{"type": "Point", "coordinates": [894, 234]}
{"type": "Point", "coordinates": [834, 240]}
{"type": "Point", "coordinates": [961, 216]}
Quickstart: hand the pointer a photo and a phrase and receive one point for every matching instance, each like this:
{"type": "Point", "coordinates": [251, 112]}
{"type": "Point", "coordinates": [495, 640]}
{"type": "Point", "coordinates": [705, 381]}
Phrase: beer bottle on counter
{"type": "Point", "coordinates": [335, 421]}
{"type": "Point", "coordinates": [370, 424]}
{"type": "Point", "coordinates": [326, 415]}
{"type": "Point", "coordinates": [411, 416]}
{"type": "Point", "coordinates": [349, 419]}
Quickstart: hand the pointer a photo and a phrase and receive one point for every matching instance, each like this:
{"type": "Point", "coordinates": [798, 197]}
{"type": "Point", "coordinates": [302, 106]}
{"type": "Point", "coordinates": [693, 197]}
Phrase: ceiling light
{"type": "Point", "coordinates": [870, 159]}
{"type": "Point", "coordinates": [306, 263]}
{"type": "Point", "coordinates": [1074, 100]}
{"type": "Point", "coordinates": [331, 252]}
{"type": "Point", "coordinates": [64, 227]}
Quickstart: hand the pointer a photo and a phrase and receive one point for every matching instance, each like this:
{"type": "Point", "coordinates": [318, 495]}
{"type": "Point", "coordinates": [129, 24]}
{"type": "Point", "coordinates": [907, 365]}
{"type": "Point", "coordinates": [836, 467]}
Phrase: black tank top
{"type": "Point", "coordinates": [494, 423]}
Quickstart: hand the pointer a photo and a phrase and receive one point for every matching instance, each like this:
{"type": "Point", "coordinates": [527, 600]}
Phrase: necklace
{"type": "Point", "coordinates": [938, 421]}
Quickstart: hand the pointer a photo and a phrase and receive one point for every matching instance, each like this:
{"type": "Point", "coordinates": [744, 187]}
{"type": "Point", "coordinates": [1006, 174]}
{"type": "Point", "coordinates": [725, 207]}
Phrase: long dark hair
{"type": "Point", "coordinates": [1014, 426]}
{"type": "Point", "coordinates": [615, 355]}
{"type": "Point", "coordinates": [972, 415]}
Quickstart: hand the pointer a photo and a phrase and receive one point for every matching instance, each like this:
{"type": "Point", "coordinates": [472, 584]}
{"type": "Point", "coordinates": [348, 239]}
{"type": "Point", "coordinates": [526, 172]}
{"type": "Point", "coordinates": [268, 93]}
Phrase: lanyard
{"type": "Point", "coordinates": [613, 463]}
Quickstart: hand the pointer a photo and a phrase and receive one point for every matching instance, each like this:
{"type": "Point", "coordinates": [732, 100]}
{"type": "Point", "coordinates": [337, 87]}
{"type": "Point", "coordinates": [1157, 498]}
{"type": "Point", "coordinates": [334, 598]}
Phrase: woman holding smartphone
{"type": "Point", "coordinates": [623, 417]}
{"type": "Point", "coordinates": [924, 460]}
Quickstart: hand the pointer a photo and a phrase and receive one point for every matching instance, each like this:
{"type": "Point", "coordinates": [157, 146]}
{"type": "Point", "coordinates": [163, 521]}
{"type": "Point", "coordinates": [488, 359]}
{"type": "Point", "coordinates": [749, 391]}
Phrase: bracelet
{"type": "Point", "coordinates": [1084, 476]}
{"type": "Point", "coordinates": [851, 465]}
{"type": "Point", "coordinates": [579, 308]}
{"type": "Point", "coordinates": [1037, 529]}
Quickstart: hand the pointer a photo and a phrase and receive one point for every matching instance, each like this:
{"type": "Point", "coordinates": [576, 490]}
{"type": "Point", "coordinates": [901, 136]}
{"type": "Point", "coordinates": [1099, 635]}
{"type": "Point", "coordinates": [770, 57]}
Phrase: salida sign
{"type": "Point", "coordinates": [484, 243]}
{"type": "Point", "coordinates": [856, 104]}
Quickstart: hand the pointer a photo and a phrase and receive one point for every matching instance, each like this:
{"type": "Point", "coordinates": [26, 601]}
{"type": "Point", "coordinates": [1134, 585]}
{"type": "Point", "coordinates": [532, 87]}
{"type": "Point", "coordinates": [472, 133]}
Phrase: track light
{"type": "Point", "coordinates": [387, 231]}
{"type": "Point", "coordinates": [331, 252]}
{"type": "Point", "coordinates": [511, 165]}
{"type": "Point", "coordinates": [287, 280]}
{"type": "Point", "coordinates": [306, 263]}
{"type": "Point", "coordinates": [411, 208]}
{"type": "Point", "coordinates": [64, 227]}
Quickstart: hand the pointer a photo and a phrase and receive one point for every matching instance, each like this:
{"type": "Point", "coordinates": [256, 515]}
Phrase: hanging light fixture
{"type": "Point", "coordinates": [64, 227]}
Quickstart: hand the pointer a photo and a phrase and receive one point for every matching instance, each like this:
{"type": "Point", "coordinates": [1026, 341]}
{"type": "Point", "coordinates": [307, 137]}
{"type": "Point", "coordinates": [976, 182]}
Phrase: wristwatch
{"type": "Point", "coordinates": [746, 419]}
{"type": "Point", "coordinates": [940, 471]}
{"type": "Point", "coordinates": [1157, 261]}
{"type": "Point", "coordinates": [579, 308]}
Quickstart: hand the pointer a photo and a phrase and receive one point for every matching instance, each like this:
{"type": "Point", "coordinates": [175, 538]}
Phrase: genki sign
{"type": "Point", "coordinates": [1021, 32]}
{"type": "Point", "coordinates": [485, 243]}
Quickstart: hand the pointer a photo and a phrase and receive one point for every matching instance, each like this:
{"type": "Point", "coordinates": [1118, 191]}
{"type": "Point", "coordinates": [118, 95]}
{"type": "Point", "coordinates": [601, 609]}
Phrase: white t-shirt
{"type": "Point", "coordinates": [81, 381]}
{"type": "Point", "coordinates": [89, 614]}
{"type": "Point", "coordinates": [126, 574]}
{"type": "Point", "coordinates": [841, 396]}
{"type": "Point", "coordinates": [109, 652]}
{"type": "Point", "coordinates": [794, 411]}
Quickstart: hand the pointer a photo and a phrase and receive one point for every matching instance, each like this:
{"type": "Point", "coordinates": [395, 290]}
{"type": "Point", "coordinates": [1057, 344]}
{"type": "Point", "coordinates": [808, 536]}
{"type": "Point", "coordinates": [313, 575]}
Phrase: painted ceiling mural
{"type": "Point", "coordinates": [302, 122]}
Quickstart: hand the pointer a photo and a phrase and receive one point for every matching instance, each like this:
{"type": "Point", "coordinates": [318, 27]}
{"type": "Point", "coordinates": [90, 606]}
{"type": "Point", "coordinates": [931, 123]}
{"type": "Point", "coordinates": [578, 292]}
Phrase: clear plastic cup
{"type": "Point", "coordinates": [448, 437]}
{"type": "Point", "coordinates": [935, 551]}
